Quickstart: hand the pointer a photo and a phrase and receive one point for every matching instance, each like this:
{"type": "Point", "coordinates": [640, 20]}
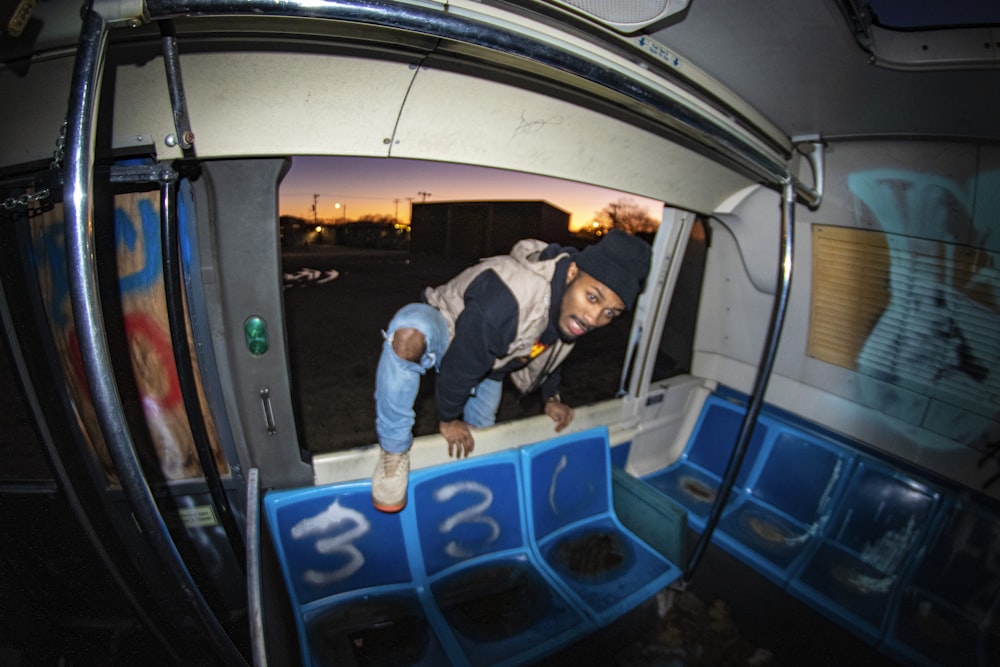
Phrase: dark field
{"type": "Point", "coordinates": [334, 331]}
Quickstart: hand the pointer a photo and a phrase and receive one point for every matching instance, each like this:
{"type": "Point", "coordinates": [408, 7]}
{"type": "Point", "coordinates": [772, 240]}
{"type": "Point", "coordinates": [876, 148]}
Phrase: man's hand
{"type": "Point", "coordinates": [459, 437]}
{"type": "Point", "coordinates": [560, 413]}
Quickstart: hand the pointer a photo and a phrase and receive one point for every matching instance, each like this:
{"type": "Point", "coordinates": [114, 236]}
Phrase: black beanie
{"type": "Point", "coordinates": [620, 261]}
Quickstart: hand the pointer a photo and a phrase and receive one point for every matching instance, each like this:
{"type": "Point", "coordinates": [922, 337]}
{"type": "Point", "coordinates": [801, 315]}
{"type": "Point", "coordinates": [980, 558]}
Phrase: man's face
{"type": "Point", "coordinates": [586, 305]}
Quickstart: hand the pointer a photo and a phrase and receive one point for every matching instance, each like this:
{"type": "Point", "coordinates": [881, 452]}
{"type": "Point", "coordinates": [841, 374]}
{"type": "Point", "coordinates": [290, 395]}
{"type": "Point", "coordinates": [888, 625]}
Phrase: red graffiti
{"type": "Point", "coordinates": [146, 337]}
{"type": "Point", "coordinates": [152, 357]}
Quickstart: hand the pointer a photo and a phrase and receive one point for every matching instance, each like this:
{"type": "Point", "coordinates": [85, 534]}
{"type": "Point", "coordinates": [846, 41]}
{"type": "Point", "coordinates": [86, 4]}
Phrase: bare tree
{"type": "Point", "coordinates": [381, 218]}
{"type": "Point", "coordinates": [625, 214]}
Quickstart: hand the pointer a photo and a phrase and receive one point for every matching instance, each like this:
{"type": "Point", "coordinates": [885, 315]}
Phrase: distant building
{"type": "Point", "coordinates": [481, 229]}
{"type": "Point", "coordinates": [299, 232]}
{"type": "Point", "coordinates": [383, 235]}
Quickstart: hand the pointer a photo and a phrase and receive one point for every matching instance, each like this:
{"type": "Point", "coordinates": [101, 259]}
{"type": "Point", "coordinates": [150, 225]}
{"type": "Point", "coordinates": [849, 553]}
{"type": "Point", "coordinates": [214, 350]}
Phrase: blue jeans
{"type": "Point", "coordinates": [397, 380]}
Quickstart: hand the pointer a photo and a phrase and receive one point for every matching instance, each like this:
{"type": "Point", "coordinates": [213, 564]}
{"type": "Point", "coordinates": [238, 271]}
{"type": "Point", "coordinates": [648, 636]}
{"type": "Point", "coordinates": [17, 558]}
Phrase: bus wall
{"type": "Point", "coordinates": [910, 365]}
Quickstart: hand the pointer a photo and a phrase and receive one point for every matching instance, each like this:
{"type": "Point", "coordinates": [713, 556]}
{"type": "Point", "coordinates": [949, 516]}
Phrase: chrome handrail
{"type": "Point", "coordinates": [85, 298]}
{"type": "Point", "coordinates": [764, 367]}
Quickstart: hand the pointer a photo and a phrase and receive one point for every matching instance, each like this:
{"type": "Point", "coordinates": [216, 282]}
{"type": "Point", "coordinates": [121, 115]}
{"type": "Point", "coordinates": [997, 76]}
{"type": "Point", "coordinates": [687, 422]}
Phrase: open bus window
{"type": "Point", "coordinates": [673, 356]}
{"type": "Point", "coordinates": [363, 237]}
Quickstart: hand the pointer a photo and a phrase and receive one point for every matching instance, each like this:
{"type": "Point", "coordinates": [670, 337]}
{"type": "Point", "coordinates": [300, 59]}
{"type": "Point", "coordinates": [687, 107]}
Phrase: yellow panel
{"type": "Point", "coordinates": [849, 291]}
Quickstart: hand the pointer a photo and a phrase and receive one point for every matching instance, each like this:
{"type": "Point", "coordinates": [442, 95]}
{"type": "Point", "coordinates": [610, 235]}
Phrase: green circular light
{"type": "Point", "coordinates": [255, 331]}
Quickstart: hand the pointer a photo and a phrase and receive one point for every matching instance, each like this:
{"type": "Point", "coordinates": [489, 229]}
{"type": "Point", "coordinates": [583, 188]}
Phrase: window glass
{"type": "Point", "coordinates": [913, 317]}
{"type": "Point", "coordinates": [137, 325]}
{"type": "Point", "coordinates": [920, 14]}
{"type": "Point", "coordinates": [674, 354]}
{"type": "Point", "coordinates": [363, 237]}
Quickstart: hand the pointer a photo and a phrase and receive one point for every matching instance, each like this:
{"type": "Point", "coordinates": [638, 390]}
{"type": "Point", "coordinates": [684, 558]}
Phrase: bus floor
{"type": "Point", "coordinates": [726, 615]}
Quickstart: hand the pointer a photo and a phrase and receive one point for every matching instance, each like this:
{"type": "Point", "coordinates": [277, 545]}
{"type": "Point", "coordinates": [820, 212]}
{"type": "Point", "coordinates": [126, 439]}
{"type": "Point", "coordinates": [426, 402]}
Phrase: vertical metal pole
{"type": "Point", "coordinates": [84, 295]}
{"type": "Point", "coordinates": [178, 101]}
{"type": "Point", "coordinates": [255, 601]}
{"type": "Point", "coordinates": [768, 355]}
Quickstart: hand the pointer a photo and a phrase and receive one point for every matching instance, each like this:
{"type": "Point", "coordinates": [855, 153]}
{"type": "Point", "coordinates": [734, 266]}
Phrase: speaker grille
{"type": "Point", "coordinates": [625, 15]}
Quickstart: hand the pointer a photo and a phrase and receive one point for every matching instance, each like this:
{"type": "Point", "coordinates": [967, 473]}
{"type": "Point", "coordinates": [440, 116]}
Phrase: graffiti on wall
{"type": "Point", "coordinates": [147, 331]}
{"type": "Point", "coordinates": [939, 335]}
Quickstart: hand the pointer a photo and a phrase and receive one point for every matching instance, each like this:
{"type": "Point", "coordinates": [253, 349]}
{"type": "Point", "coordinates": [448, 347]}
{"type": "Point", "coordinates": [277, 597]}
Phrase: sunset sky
{"type": "Point", "coordinates": [371, 185]}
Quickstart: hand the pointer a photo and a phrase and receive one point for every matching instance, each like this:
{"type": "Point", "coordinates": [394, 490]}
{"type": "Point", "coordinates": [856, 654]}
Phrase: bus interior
{"type": "Point", "coordinates": [803, 394]}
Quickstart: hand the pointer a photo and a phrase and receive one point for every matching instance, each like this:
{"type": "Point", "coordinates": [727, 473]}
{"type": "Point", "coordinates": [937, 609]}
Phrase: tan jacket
{"type": "Point", "coordinates": [529, 280]}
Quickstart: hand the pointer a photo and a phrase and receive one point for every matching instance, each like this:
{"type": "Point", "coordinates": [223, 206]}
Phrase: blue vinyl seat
{"type": "Point", "coordinates": [694, 480]}
{"type": "Point", "coordinates": [349, 577]}
{"type": "Point", "coordinates": [482, 574]}
{"type": "Point", "coordinates": [939, 618]}
{"type": "Point", "coordinates": [580, 541]}
{"type": "Point", "coordinates": [855, 573]}
{"type": "Point", "coordinates": [788, 502]}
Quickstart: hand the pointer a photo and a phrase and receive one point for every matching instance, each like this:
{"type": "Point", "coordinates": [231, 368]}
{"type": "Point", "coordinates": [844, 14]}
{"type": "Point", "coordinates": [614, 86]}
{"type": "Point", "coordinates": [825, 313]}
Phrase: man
{"type": "Point", "coordinates": [514, 315]}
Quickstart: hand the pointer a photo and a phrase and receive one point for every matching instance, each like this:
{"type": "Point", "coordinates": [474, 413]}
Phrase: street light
{"type": "Point", "coordinates": [343, 215]}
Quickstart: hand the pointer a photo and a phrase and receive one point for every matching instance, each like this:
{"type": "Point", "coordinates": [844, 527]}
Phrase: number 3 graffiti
{"type": "Point", "coordinates": [472, 514]}
{"type": "Point", "coordinates": [341, 544]}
